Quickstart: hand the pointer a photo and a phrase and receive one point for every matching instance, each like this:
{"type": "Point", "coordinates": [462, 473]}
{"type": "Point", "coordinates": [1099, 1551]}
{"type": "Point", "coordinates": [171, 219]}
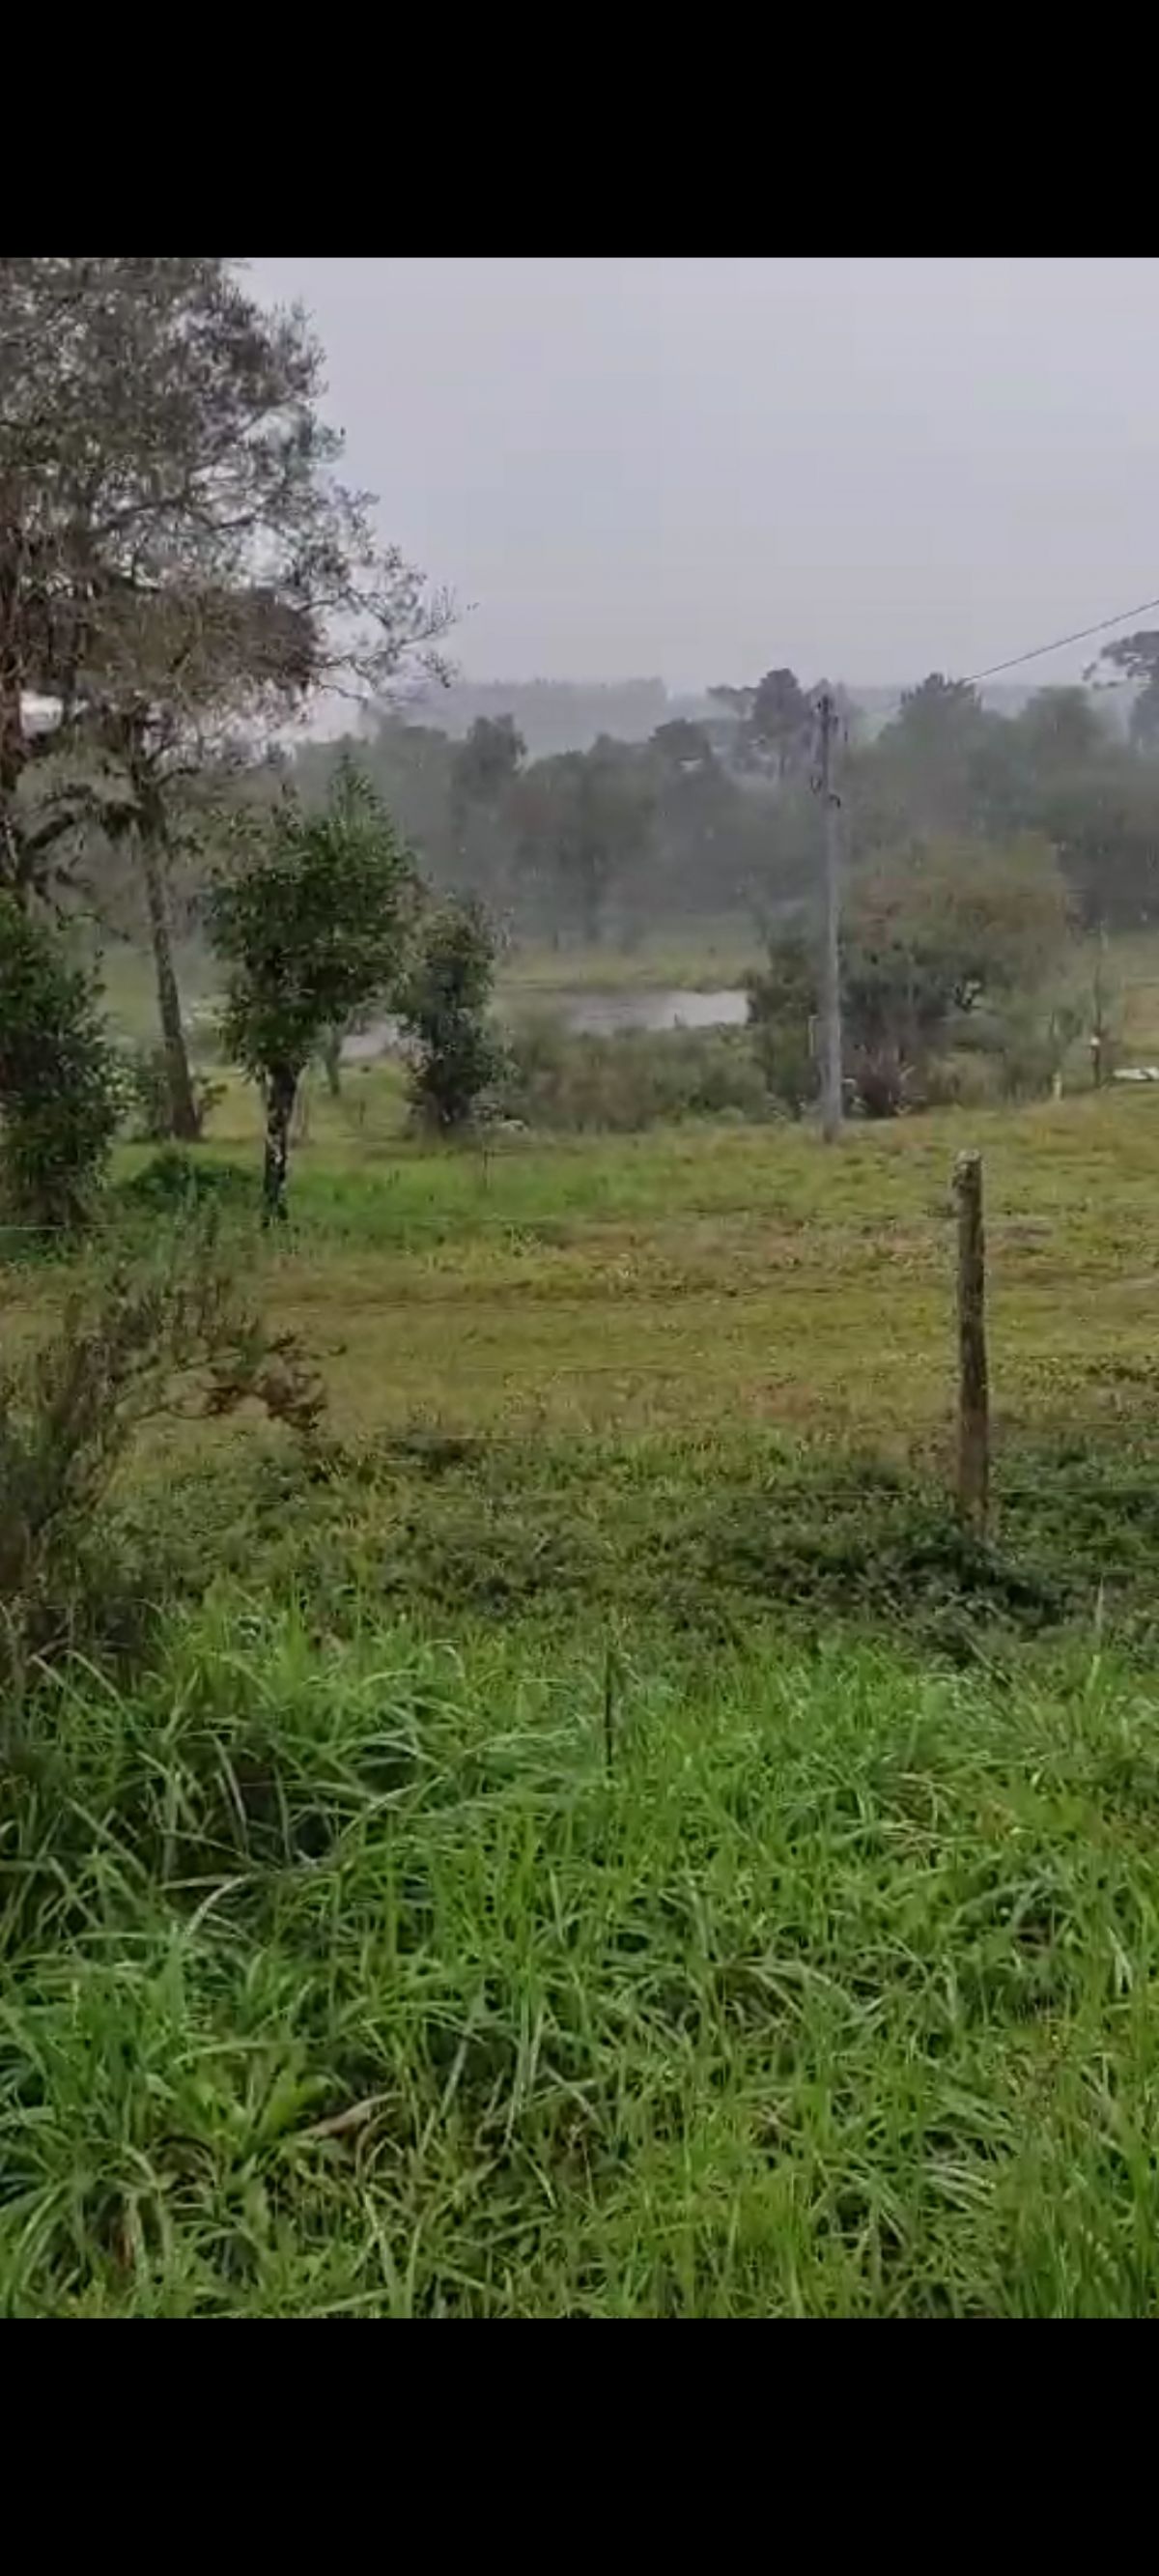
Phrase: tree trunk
{"type": "Point", "coordinates": [281, 1089]}
{"type": "Point", "coordinates": [593, 890]}
{"type": "Point", "coordinates": [332, 1062]}
{"type": "Point", "coordinates": [183, 1108]}
{"type": "Point", "coordinates": [12, 756]}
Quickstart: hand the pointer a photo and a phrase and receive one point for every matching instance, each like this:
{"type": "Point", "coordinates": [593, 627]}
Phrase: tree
{"type": "Point", "coordinates": [1059, 728]}
{"type": "Point", "coordinates": [934, 937]}
{"type": "Point", "coordinates": [443, 1005]}
{"type": "Point", "coordinates": [58, 1093]}
{"type": "Point", "coordinates": [683, 749]}
{"type": "Point", "coordinates": [310, 931]}
{"type": "Point", "coordinates": [943, 765]}
{"type": "Point", "coordinates": [781, 719]}
{"type": "Point", "coordinates": [585, 820]}
{"type": "Point", "coordinates": [1103, 819]}
{"type": "Point", "coordinates": [1136, 657]}
{"type": "Point", "coordinates": [782, 1008]}
{"type": "Point", "coordinates": [937, 714]}
{"type": "Point", "coordinates": [487, 761]}
{"type": "Point", "coordinates": [484, 771]}
{"type": "Point", "coordinates": [177, 555]}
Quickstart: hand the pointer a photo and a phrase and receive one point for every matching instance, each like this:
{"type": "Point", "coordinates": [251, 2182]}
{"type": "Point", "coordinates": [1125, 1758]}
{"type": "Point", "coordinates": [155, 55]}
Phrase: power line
{"type": "Point", "coordinates": [1014, 661]}
{"type": "Point", "coordinates": [1079, 636]}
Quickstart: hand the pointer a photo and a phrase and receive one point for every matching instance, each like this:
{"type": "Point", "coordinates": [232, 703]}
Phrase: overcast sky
{"type": "Point", "coordinates": [699, 468]}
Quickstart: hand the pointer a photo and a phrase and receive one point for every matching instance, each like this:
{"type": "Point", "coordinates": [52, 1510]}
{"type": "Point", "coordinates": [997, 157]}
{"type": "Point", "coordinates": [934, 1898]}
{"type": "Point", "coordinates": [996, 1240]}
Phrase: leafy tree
{"type": "Point", "coordinates": [177, 554]}
{"type": "Point", "coordinates": [1136, 657]}
{"type": "Point", "coordinates": [781, 719]}
{"type": "Point", "coordinates": [411, 766]}
{"type": "Point", "coordinates": [937, 713]}
{"type": "Point", "coordinates": [310, 930]}
{"type": "Point", "coordinates": [771, 721]}
{"type": "Point", "coordinates": [1059, 729]}
{"type": "Point", "coordinates": [943, 765]}
{"type": "Point", "coordinates": [58, 1079]}
{"type": "Point", "coordinates": [586, 820]}
{"type": "Point", "coordinates": [443, 1005]}
{"type": "Point", "coordinates": [782, 1007]}
{"type": "Point", "coordinates": [932, 939]}
{"type": "Point", "coordinates": [683, 749]}
{"type": "Point", "coordinates": [489, 759]}
{"type": "Point", "coordinates": [1103, 820]}
{"type": "Point", "coordinates": [484, 771]}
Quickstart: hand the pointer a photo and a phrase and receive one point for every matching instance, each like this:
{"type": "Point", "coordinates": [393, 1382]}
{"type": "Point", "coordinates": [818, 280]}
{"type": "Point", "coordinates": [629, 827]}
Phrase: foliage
{"type": "Point", "coordinates": [585, 823]}
{"type": "Point", "coordinates": [176, 544]}
{"type": "Point", "coordinates": [489, 759]}
{"type": "Point", "coordinates": [818, 1985]}
{"type": "Point", "coordinates": [932, 938]}
{"type": "Point", "coordinates": [780, 720]}
{"type": "Point", "coordinates": [310, 930]}
{"type": "Point", "coordinates": [1136, 657]}
{"type": "Point", "coordinates": [782, 1008]}
{"type": "Point", "coordinates": [442, 1005]}
{"type": "Point", "coordinates": [150, 1095]}
{"type": "Point", "coordinates": [134, 1343]}
{"type": "Point", "coordinates": [623, 1083]}
{"type": "Point", "coordinates": [179, 565]}
{"type": "Point", "coordinates": [606, 1795]}
{"type": "Point", "coordinates": [174, 1182]}
{"type": "Point", "coordinates": [58, 1090]}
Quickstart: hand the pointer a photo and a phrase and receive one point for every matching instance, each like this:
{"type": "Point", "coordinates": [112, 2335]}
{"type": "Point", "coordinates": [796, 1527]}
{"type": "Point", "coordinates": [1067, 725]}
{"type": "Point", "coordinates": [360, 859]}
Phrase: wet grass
{"type": "Point", "coordinates": [385, 1977]}
{"type": "Point", "coordinates": [709, 1276]}
{"type": "Point", "coordinates": [596, 1839]}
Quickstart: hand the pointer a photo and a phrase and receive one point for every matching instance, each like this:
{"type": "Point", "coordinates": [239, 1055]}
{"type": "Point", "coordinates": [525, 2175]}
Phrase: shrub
{"type": "Point", "coordinates": [633, 1079]}
{"type": "Point", "coordinates": [782, 1000]}
{"type": "Point", "coordinates": [443, 1007]}
{"type": "Point", "coordinates": [167, 1334]}
{"type": "Point", "coordinates": [175, 1180]}
{"type": "Point", "coordinates": [58, 1087]}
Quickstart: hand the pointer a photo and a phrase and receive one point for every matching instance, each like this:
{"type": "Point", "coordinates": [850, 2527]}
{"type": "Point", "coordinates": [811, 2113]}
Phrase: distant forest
{"type": "Point", "coordinates": [594, 813]}
{"type": "Point", "coordinates": [570, 715]}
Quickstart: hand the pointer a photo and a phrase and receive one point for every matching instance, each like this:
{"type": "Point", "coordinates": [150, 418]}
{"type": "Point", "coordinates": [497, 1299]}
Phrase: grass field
{"type": "Point", "coordinates": [720, 1278]}
{"type": "Point", "coordinates": [596, 1840]}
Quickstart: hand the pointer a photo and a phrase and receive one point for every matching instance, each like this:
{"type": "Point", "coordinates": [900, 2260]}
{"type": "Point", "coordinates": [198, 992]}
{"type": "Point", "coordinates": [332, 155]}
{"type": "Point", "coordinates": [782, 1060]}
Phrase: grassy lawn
{"type": "Point", "coordinates": [705, 957]}
{"type": "Point", "coordinates": [712, 1277]}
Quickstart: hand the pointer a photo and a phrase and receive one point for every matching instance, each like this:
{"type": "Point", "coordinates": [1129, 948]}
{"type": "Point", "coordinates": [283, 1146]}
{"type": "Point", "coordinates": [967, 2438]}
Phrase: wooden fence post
{"type": "Point", "coordinates": [973, 1381]}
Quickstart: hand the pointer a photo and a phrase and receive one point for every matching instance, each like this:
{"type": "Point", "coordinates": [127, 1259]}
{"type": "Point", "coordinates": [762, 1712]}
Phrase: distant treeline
{"type": "Point", "coordinates": [671, 810]}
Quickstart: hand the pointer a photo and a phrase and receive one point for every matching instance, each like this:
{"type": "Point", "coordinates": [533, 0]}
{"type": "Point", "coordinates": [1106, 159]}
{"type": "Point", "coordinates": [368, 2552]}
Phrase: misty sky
{"type": "Point", "coordinates": [699, 468]}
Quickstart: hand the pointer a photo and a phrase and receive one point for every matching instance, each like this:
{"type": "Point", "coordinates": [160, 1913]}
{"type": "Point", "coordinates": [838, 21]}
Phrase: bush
{"type": "Point", "coordinates": [164, 1335]}
{"type": "Point", "coordinates": [633, 1079]}
{"type": "Point", "coordinates": [175, 1180]}
{"type": "Point", "coordinates": [443, 1006]}
{"type": "Point", "coordinates": [782, 999]}
{"type": "Point", "coordinates": [58, 1086]}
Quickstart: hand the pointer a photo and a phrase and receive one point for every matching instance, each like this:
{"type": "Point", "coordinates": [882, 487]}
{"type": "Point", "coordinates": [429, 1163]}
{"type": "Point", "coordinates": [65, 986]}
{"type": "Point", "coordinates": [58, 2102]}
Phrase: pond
{"type": "Point", "coordinates": [593, 1012]}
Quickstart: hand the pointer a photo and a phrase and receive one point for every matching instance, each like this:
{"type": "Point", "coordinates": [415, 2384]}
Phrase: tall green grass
{"type": "Point", "coordinates": [417, 1980]}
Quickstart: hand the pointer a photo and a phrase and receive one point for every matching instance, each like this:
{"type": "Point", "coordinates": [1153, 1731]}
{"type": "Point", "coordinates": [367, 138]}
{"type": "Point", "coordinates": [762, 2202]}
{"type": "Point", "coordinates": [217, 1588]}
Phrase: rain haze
{"type": "Point", "coordinates": [700, 467]}
{"type": "Point", "coordinates": [579, 1382]}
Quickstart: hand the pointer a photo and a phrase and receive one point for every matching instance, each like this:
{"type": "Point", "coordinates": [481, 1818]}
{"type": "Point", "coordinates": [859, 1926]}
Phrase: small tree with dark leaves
{"type": "Point", "coordinates": [310, 929]}
{"type": "Point", "coordinates": [58, 1078]}
{"type": "Point", "coordinates": [443, 1007]}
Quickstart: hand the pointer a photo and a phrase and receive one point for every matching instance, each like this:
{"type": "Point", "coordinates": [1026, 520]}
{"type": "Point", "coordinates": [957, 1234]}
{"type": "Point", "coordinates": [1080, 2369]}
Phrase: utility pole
{"type": "Point", "coordinates": [831, 1051]}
